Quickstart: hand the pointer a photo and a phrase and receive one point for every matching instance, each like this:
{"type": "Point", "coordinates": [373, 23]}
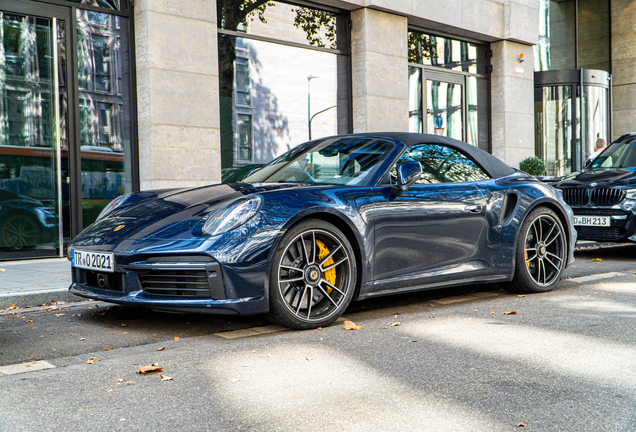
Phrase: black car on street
{"type": "Point", "coordinates": [603, 195]}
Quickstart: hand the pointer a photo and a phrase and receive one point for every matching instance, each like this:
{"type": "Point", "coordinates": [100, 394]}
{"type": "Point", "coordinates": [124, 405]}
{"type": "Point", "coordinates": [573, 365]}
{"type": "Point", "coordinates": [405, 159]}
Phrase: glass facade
{"type": "Point", "coordinates": [448, 88]}
{"type": "Point", "coordinates": [283, 79]}
{"type": "Point", "coordinates": [573, 34]}
{"type": "Point", "coordinates": [105, 110]}
{"type": "Point", "coordinates": [66, 123]}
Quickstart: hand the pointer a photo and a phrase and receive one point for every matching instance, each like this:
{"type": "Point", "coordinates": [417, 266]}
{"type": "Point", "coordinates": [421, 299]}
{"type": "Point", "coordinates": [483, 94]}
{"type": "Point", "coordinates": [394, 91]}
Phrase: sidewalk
{"type": "Point", "coordinates": [33, 282]}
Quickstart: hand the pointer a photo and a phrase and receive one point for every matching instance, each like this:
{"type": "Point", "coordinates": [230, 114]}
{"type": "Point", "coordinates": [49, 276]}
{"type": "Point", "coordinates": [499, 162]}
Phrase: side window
{"type": "Point", "coordinates": [441, 164]}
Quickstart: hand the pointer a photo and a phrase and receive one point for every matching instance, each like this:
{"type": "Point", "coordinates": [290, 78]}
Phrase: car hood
{"type": "Point", "coordinates": [618, 177]}
{"type": "Point", "coordinates": [169, 214]}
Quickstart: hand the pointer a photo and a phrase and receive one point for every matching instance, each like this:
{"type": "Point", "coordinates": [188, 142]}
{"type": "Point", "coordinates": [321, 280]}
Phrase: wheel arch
{"type": "Point", "coordinates": [340, 221]}
{"type": "Point", "coordinates": [556, 208]}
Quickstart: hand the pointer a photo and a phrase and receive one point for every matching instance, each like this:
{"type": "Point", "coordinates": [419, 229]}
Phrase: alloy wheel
{"type": "Point", "coordinates": [544, 250]}
{"type": "Point", "coordinates": [314, 274]}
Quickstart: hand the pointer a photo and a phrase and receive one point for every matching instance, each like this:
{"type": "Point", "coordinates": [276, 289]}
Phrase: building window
{"type": "Point", "coordinates": [448, 88]}
{"type": "Point", "coordinates": [573, 34]}
{"type": "Point", "coordinates": [284, 74]}
{"type": "Point", "coordinates": [244, 138]}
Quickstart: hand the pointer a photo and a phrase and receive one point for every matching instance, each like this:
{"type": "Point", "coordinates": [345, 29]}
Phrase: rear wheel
{"type": "Point", "coordinates": [541, 253]}
{"type": "Point", "coordinates": [313, 276]}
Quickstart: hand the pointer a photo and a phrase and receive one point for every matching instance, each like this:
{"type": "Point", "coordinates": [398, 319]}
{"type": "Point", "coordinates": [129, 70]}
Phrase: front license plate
{"type": "Point", "coordinates": [99, 261]}
{"type": "Point", "coordinates": [601, 221]}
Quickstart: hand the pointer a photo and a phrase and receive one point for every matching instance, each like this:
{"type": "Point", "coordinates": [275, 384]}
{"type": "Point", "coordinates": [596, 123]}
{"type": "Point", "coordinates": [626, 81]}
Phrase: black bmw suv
{"type": "Point", "coordinates": [603, 195]}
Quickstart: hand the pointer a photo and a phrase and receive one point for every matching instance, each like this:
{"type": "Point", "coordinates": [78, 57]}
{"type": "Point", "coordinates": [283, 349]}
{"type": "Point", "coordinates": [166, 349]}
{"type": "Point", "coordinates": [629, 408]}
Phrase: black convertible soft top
{"type": "Point", "coordinates": [493, 166]}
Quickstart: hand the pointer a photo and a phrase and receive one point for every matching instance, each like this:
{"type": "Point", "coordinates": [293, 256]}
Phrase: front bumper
{"type": "Point", "coordinates": [226, 276]}
{"type": "Point", "coordinates": [622, 224]}
{"type": "Point", "coordinates": [182, 286]}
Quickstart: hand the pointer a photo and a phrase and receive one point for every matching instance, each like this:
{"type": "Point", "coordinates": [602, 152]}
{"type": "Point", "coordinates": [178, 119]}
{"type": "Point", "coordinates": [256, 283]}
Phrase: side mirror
{"type": "Point", "coordinates": [587, 162]}
{"type": "Point", "coordinates": [407, 174]}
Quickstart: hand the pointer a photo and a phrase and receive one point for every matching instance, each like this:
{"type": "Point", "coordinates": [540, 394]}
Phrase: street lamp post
{"type": "Point", "coordinates": [309, 78]}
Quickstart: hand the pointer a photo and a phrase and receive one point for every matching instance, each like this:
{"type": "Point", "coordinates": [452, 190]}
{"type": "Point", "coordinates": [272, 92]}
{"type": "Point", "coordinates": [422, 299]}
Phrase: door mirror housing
{"type": "Point", "coordinates": [407, 174]}
{"type": "Point", "coordinates": [587, 163]}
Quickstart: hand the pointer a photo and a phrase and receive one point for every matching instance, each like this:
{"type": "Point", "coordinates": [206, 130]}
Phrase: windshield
{"type": "Point", "coordinates": [617, 155]}
{"type": "Point", "coordinates": [345, 161]}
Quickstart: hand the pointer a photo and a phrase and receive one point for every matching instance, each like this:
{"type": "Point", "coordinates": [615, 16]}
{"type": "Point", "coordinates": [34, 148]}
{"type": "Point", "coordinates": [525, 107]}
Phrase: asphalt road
{"type": "Point", "coordinates": [564, 361]}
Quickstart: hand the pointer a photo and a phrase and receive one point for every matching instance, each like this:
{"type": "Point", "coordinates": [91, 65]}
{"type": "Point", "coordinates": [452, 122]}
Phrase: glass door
{"type": "Point", "coordinates": [445, 105]}
{"type": "Point", "coordinates": [33, 132]}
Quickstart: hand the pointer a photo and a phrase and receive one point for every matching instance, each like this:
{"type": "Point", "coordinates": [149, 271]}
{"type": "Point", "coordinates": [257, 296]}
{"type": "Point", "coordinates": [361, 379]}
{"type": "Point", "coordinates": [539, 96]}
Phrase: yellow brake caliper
{"type": "Point", "coordinates": [330, 275]}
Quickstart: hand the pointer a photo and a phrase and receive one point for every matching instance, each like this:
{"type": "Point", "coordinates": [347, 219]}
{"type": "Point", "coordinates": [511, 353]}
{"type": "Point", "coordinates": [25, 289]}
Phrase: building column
{"type": "Point", "coordinates": [177, 90]}
{"type": "Point", "coordinates": [623, 66]}
{"type": "Point", "coordinates": [379, 58]}
{"type": "Point", "coordinates": [512, 98]}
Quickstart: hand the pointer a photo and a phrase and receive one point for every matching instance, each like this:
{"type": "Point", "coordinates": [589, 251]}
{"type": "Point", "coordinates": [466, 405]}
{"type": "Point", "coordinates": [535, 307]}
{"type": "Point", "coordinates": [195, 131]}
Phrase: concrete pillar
{"type": "Point", "coordinates": [177, 90]}
{"type": "Point", "coordinates": [512, 96]}
{"type": "Point", "coordinates": [379, 58]}
{"type": "Point", "coordinates": [623, 66]}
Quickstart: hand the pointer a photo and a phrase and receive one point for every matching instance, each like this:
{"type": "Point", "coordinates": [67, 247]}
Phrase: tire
{"type": "Point", "coordinates": [19, 232]}
{"type": "Point", "coordinates": [313, 276]}
{"type": "Point", "coordinates": [541, 253]}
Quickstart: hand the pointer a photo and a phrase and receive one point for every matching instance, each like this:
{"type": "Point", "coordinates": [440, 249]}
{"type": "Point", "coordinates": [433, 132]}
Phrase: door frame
{"type": "Point", "coordinates": [59, 14]}
{"type": "Point", "coordinates": [450, 78]}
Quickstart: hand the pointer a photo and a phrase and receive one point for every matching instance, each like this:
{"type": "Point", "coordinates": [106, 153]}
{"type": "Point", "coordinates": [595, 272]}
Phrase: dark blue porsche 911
{"type": "Point", "coordinates": [333, 220]}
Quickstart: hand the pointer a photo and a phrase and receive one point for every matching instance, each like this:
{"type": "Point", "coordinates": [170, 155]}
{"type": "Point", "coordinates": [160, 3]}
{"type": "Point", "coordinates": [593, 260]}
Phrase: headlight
{"type": "Point", "coordinates": [232, 215]}
{"type": "Point", "coordinates": [629, 202]}
{"type": "Point", "coordinates": [113, 205]}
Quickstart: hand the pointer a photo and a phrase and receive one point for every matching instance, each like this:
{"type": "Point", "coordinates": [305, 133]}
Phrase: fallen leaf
{"type": "Point", "coordinates": [161, 349]}
{"type": "Point", "coordinates": [92, 360]}
{"type": "Point", "coordinates": [394, 324]}
{"type": "Point", "coordinates": [177, 338]}
{"type": "Point", "coordinates": [522, 425]}
{"type": "Point", "coordinates": [521, 295]}
{"type": "Point", "coordinates": [165, 378]}
{"type": "Point", "coordinates": [60, 314]}
{"type": "Point", "coordinates": [1, 270]}
{"type": "Point", "coordinates": [597, 259]}
{"type": "Point", "coordinates": [124, 325]}
{"type": "Point", "coordinates": [350, 325]}
{"type": "Point", "coordinates": [150, 368]}
{"type": "Point", "coordinates": [308, 358]}
{"type": "Point", "coordinates": [510, 313]}
{"type": "Point", "coordinates": [492, 313]}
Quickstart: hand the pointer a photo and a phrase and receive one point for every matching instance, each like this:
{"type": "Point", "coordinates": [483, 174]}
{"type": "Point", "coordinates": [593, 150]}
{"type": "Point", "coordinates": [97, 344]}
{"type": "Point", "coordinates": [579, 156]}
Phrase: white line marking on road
{"type": "Point", "coordinates": [468, 297]}
{"type": "Point", "coordinates": [254, 331]}
{"type": "Point", "coordinates": [596, 277]}
{"type": "Point", "coordinates": [25, 367]}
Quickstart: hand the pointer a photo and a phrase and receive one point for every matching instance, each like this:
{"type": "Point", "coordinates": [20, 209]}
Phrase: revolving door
{"type": "Point", "coordinates": [572, 117]}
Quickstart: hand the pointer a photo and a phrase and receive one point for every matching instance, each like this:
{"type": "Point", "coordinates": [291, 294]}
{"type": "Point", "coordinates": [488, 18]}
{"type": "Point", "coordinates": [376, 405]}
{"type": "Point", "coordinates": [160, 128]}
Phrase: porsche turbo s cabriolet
{"type": "Point", "coordinates": [333, 220]}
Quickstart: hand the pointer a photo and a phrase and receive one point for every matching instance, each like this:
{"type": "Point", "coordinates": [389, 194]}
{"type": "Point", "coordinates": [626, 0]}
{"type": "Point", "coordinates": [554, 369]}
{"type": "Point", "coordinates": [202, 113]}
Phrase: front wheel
{"type": "Point", "coordinates": [313, 276]}
{"type": "Point", "coordinates": [541, 253]}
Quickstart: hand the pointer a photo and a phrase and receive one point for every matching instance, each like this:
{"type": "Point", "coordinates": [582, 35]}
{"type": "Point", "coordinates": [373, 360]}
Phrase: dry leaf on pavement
{"type": "Point", "coordinates": [165, 378]}
{"type": "Point", "coordinates": [510, 313]}
{"type": "Point", "coordinates": [92, 360]}
{"type": "Point", "coordinates": [394, 324]}
{"type": "Point", "coordinates": [350, 325]}
{"type": "Point", "coordinates": [177, 338]}
{"type": "Point", "coordinates": [163, 348]}
{"type": "Point", "coordinates": [597, 259]}
{"type": "Point", "coordinates": [150, 368]}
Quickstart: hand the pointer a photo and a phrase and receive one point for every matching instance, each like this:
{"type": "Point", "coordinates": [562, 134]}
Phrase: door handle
{"type": "Point", "coordinates": [473, 208]}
